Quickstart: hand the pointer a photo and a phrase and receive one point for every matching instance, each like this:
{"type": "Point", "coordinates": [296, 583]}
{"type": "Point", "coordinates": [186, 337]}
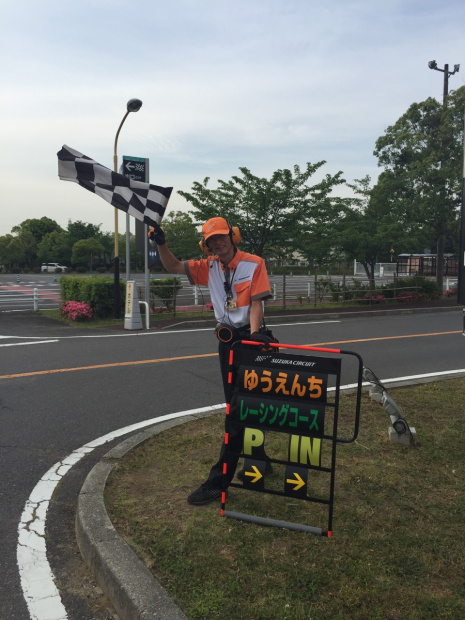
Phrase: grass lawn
{"type": "Point", "coordinates": [397, 549]}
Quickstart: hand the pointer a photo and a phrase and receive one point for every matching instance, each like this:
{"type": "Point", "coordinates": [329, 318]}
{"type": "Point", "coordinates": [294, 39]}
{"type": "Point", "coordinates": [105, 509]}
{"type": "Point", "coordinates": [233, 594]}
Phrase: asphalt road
{"type": "Point", "coordinates": [61, 388]}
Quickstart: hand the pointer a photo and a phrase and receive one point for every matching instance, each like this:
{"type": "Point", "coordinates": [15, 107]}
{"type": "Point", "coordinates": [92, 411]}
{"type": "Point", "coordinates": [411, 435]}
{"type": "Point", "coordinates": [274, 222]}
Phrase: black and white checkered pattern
{"type": "Point", "coordinates": [143, 201]}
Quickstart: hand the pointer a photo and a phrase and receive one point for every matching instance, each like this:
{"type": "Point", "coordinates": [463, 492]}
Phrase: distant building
{"type": "Point", "coordinates": [425, 265]}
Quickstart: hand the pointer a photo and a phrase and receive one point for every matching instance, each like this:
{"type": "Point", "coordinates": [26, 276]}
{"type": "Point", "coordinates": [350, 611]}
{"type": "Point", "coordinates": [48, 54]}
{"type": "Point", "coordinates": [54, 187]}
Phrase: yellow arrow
{"type": "Point", "coordinates": [256, 475]}
{"type": "Point", "coordinates": [298, 482]}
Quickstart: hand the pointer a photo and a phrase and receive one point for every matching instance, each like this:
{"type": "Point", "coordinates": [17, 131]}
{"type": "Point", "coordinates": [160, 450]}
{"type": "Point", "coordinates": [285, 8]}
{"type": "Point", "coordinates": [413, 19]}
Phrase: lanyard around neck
{"type": "Point", "coordinates": [228, 282]}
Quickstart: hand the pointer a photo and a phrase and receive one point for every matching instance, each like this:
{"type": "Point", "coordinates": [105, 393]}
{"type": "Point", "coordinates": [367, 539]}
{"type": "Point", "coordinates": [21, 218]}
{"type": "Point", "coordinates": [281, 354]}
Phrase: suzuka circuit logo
{"type": "Point", "coordinates": [263, 358]}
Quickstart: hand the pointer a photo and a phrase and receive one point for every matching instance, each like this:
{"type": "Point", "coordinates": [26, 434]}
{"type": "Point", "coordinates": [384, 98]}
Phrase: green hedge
{"type": "Point", "coordinates": [166, 290]}
{"type": "Point", "coordinates": [418, 285]}
{"type": "Point", "coordinates": [97, 292]}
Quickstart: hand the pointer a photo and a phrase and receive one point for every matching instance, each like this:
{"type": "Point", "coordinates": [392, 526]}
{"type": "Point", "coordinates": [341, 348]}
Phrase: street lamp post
{"type": "Point", "coordinates": [440, 245]}
{"type": "Point", "coordinates": [133, 105]}
{"type": "Point", "coordinates": [434, 65]}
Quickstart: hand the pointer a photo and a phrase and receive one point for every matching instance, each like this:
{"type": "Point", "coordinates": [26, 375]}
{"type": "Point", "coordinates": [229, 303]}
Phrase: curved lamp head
{"type": "Point", "coordinates": [134, 105]}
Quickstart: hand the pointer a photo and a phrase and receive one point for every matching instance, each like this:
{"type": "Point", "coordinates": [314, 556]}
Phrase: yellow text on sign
{"type": "Point", "coordinates": [305, 450]}
{"type": "Point", "coordinates": [253, 438]}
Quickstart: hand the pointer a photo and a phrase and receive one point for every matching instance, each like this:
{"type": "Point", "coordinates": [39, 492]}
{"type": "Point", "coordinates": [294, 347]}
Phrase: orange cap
{"type": "Point", "coordinates": [215, 226]}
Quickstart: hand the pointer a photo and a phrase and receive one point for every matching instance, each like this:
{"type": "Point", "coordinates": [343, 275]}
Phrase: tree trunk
{"type": "Point", "coordinates": [370, 271]}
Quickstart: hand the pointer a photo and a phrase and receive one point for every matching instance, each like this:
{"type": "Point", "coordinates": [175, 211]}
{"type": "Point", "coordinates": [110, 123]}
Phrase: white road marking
{"type": "Point", "coordinates": [19, 344]}
{"type": "Point", "coordinates": [152, 333]}
{"type": "Point", "coordinates": [37, 580]}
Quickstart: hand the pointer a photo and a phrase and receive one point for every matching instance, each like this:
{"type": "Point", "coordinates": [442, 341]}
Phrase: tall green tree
{"type": "Point", "coordinates": [368, 228]}
{"type": "Point", "coordinates": [54, 248]}
{"type": "Point", "coordinates": [18, 251]}
{"type": "Point", "coordinates": [37, 227]}
{"type": "Point", "coordinates": [28, 235]}
{"type": "Point", "coordinates": [422, 158]}
{"type": "Point", "coordinates": [86, 251]}
{"type": "Point", "coordinates": [107, 240]}
{"type": "Point", "coordinates": [182, 234]}
{"type": "Point", "coordinates": [269, 212]}
{"type": "Point", "coordinates": [317, 237]}
{"type": "Point", "coordinates": [81, 230]}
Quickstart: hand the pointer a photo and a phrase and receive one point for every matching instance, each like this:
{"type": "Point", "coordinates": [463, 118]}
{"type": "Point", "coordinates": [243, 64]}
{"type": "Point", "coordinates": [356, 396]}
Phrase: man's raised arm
{"type": "Point", "coordinates": [169, 260]}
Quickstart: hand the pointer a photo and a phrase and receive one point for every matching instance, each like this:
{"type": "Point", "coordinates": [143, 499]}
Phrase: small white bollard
{"type": "Point", "coordinates": [36, 300]}
{"type": "Point", "coordinates": [147, 313]}
{"type": "Point", "coordinates": [132, 316]}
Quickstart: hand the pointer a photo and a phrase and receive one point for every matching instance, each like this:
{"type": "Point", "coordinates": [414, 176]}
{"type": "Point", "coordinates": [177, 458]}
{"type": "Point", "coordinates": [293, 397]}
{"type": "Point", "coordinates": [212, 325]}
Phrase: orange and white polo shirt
{"type": "Point", "coordinates": [248, 279]}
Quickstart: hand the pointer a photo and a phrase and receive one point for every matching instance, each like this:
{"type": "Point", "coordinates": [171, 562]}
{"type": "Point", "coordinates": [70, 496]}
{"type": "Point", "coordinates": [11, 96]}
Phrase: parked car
{"type": "Point", "coordinates": [53, 268]}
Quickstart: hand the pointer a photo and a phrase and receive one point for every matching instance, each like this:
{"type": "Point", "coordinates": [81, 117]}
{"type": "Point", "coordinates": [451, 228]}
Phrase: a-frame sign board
{"type": "Point", "coordinates": [296, 394]}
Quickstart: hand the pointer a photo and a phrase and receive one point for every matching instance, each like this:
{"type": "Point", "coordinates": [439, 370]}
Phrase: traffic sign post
{"type": "Point", "coordinates": [137, 169]}
{"type": "Point", "coordinates": [292, 394]}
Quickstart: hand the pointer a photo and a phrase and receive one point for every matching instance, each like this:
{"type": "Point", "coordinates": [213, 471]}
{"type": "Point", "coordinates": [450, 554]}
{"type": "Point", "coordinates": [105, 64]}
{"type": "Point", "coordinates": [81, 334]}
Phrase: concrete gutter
{"type": "Point", "coordinates": [128, 583]}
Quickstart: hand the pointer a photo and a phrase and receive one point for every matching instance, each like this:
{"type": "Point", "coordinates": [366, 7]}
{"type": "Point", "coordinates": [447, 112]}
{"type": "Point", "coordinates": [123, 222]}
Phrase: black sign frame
{"type": "Point", "coordinates": [276, 391]}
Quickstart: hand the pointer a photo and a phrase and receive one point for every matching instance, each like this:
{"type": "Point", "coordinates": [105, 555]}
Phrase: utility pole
{"type": "Point", "coordinates": [440, 245]}
{"type": "Point", "coordinates": [434, 65]}
{"type": "Point", "coordinates": [461, 282]}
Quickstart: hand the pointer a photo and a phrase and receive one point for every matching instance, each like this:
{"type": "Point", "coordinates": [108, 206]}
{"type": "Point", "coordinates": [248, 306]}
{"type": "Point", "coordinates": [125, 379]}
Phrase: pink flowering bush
{"type": "Point", "coordinates": [409, 296]}
{"type": "Point", "coordinates": [450, 292]}
{"type": "Point", "coordinates": [76, 311]}
{"type": "Point", "coordinates": [374, 299]}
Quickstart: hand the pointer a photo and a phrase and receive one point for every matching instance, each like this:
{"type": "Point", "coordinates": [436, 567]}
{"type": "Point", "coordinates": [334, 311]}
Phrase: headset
{"type": "Point", "coordinates": [234, 234]}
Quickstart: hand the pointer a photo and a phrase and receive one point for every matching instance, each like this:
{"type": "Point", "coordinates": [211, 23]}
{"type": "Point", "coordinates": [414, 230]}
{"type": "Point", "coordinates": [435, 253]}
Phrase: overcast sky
{"type": "Point", "coordinates": [265, 84]}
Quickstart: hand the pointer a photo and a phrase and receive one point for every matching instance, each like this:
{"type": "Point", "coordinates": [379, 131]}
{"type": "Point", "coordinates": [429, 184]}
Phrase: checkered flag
{"type": "Point", "coordinates": [143, 201]}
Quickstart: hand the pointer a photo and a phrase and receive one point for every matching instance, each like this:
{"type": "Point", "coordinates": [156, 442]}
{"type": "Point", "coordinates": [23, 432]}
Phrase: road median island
{"type": "Point", "coordinates": [397, 530]}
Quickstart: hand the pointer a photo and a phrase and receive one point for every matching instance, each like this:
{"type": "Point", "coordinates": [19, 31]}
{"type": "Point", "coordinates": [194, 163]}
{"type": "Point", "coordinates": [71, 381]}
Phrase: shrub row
{"type": "Point", "coordinates": [98, 293]}
{"type": "Point", "coordinates": [403, 288]}
{"type": "Point", "coordinates": [166, 290]}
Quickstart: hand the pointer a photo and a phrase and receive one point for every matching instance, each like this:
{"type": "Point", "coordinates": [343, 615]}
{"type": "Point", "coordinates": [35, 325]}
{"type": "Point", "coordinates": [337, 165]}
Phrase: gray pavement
{"type": "Point", "coordinates": [130, 586]}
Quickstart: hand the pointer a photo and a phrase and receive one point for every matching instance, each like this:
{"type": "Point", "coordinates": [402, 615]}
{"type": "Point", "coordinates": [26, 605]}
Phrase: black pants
{"type": "Point", "coordinates": [236, 437]}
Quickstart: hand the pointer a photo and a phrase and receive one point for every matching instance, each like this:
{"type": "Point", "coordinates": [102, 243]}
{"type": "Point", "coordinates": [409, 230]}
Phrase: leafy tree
{"type": "Point", "coordinates": [269, 212]}
{"type": "Point", "coordinates": [317, 238]}
{"type": "Point", "coordinates": [368, 227]}
{"type": "Point", "coordinates": [422, 157]}
{"type": "Point", "coordinates": [85, 251]}
{"type": "Point", "coordinates": [54, 248]}
{"type": "Point", "coordinates": [28, 235]}
{"type": "Point", "coordinates": [107, 240]}
{"type": "Point", "coordinates": [182, 234]}
{"type": "Point", "coordinates": [6, 256]}
{"type": "Point", "coordinates": [37, 227]}
{"type": "Point", "coordinates": [80, 230]}
{"type": "Point", "coordinates": [17, 252]}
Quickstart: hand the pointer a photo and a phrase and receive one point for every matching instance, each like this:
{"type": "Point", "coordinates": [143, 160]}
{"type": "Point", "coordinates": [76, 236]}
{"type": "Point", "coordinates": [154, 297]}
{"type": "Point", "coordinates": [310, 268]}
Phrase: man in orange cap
{"type": "Point", "coordinates": [238, 285]}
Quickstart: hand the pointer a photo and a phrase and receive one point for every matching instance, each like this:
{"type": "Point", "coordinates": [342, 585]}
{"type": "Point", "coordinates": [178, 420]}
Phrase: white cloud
{"type": "Point", "coordinates": [264, 84]}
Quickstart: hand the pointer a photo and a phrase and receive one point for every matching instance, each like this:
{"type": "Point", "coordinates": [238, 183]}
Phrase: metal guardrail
{"type": "Point", "coordinates": [287, 291]}
{"type": "Point", "coordinates": [22, 298]}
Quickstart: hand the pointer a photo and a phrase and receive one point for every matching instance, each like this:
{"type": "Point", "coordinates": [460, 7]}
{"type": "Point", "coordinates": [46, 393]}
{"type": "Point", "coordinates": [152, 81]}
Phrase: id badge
{"type": "Point", "coordinates": [230, 305]}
